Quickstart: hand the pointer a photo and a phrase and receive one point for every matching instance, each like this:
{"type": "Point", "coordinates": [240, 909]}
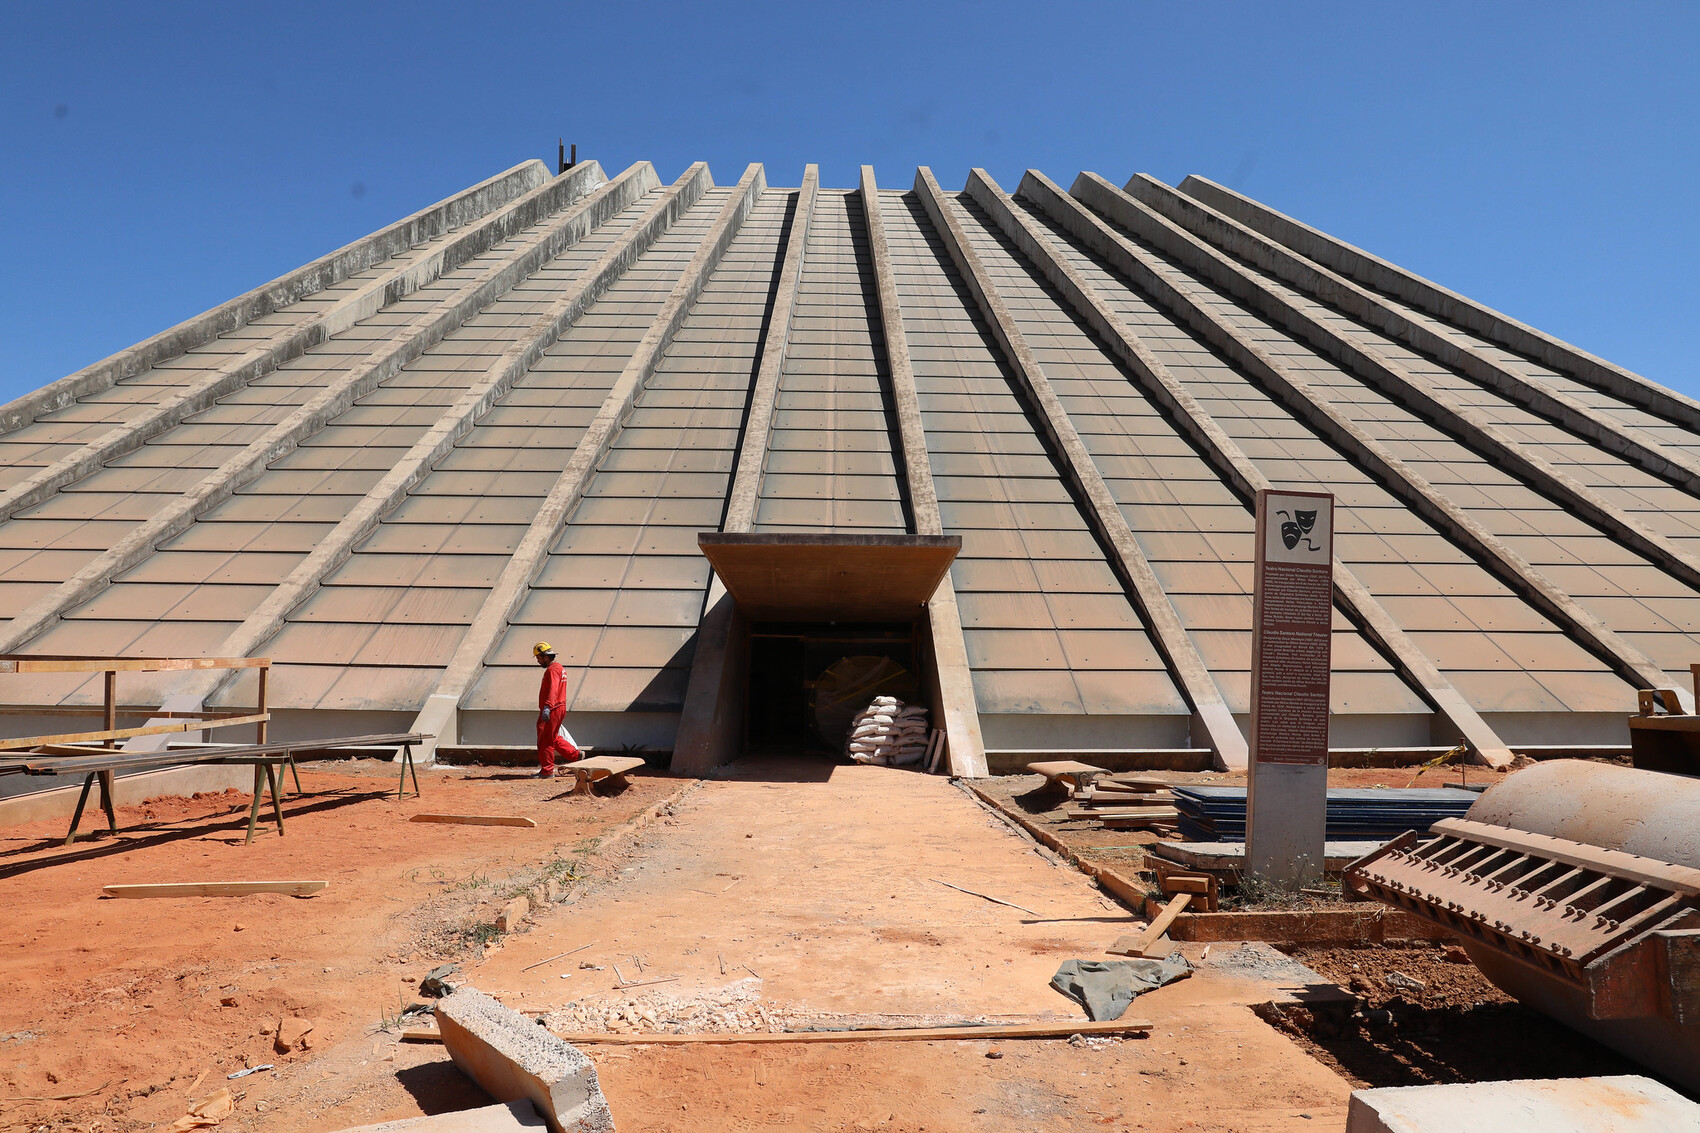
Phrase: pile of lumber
{"type": "Point", "coordinates": [1125, 802]}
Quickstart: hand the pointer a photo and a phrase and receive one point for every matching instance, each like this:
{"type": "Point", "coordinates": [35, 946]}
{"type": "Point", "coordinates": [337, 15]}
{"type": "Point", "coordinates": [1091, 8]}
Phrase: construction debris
{"type": "Point", "coordinates": [1106, 987]}
{"type": "Point", "coordinates": [215, 889]}
{"type": "Point", "coordinates": [208, 1111]}
{"type": "Point", "coordinates": [475, 819]}
{"type": "Point", "coordinates": [511, 1057]}
{"type": "Point", "coordinates": [988, 897]}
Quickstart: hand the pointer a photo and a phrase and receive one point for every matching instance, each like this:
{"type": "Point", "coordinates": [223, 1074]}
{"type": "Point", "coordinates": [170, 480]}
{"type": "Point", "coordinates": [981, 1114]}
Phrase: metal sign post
{"type": "Point", "coordinates": [1293, 608]}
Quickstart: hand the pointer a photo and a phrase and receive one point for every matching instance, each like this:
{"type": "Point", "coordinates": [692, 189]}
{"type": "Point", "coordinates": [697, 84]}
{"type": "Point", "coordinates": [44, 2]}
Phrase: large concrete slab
{"type": "Point", "coordinates": [1625, 1104]}
{"type": "Point", "coordinates": [514, 1059]}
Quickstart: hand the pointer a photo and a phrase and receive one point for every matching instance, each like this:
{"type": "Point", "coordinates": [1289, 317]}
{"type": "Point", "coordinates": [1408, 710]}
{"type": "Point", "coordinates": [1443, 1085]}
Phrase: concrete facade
{"type": "Point", "coordinates": [508, 417]}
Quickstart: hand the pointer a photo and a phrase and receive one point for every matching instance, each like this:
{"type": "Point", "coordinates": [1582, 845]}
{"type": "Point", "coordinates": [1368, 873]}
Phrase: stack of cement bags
{"type": "Point", "coordinates": [888, 733]}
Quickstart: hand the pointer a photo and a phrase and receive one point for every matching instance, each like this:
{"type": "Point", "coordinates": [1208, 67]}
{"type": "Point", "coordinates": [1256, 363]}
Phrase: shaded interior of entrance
{"type": "Point", "coordinates": [796, 667]}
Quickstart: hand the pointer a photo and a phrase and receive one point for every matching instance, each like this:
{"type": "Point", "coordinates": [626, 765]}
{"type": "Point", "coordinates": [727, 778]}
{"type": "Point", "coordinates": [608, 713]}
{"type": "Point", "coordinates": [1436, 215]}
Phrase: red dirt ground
{"type": "Point", "coordinates": [136, 1000]}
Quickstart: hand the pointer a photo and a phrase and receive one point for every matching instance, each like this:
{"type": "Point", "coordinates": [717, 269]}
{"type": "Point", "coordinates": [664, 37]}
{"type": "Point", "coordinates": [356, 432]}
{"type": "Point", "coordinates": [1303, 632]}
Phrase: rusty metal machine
{"type": "Point", "coordinates": [1574, 887]}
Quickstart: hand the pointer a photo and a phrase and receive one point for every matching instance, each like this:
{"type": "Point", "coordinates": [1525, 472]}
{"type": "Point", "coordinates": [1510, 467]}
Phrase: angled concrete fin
{"type": "Point", "coordinates": [439, 717]}
{"type": "Point", "coordinates": [966, 749]}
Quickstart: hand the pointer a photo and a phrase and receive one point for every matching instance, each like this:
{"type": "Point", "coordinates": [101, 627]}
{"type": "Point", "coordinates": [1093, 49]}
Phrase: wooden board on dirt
{"type": "Point", "coordinates": [1111, 814]}
{"type": "Point", "coordinates": [1057, 1030]}
{"type": "Point", "coordinates": [475, 819]}
{"type": "Point", "coordinates": [215, 889]}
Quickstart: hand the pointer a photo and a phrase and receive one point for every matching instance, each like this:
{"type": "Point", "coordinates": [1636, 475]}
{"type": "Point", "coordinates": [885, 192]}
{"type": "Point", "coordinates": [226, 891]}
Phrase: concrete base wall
{"type": "Point", "coordinates": [606, 730]}
{"type": "Point", "coordinates": [127, 790]}
{"type": "Point", "coordinates": [1561, 727]}
{"type": "Point", "coordinates": [1048, 732]}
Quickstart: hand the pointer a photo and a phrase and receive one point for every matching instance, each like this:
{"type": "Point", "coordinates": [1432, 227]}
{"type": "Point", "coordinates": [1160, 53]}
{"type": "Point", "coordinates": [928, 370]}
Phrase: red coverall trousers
{"type": "Point", "coordinates": [552, 696]}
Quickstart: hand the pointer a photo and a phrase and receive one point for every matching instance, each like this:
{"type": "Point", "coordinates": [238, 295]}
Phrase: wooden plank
{"type": "Point", "coordinates": [1059, 1030]}
{"type": "Point", "coordinates": [215, 889]}
{"type": "Point", "coordinates": [475, 819]}
{"type": "Point", "coordinates": [607, 764]}
{"type": "Point", "coordinates": [1142, 944]}
{"type": "Point", "coordinates": [55, 663]}
{"type": "Point", "coordinates": [1124, 812]}
{"type": "Point", "coordinates": [126, 733]}
{"type": "Point", "coordinates": [1059, 768]}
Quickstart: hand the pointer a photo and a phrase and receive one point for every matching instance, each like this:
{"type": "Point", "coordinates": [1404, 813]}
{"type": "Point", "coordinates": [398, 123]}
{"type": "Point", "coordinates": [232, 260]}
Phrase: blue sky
{"type": "Point", "coordinates": [157, 159]}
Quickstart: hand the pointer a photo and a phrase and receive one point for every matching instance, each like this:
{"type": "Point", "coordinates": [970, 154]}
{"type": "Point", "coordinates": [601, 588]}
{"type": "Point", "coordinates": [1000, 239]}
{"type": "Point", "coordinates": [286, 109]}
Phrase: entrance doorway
{"type": "Point", "coordinates": [799, 674]}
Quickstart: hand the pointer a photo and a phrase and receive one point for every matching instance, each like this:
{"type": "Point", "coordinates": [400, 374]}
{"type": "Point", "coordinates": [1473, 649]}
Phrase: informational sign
{"type": "Point", "coordinates": [1292, 616]}
{"type": "Point", "coordinates": [1292, 623]}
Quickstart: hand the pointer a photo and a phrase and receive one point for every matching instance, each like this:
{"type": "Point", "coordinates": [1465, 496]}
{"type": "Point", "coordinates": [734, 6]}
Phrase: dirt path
{"type": "Point", "coordinates": [138, 1000]}
{"type": "Point", "coordinates": [813, 885]}
{"type": "Point", "coordinates": [818, 893]}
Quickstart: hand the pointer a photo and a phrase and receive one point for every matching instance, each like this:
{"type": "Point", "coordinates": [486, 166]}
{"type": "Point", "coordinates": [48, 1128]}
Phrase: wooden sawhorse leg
{"type": "Point", "coordinates": [82, 801]}
{"type": "Point", "coordinates": [89, 780]}
{"type": "Point", "coordinates": [254, 810]}
{"type": "Point", "coordinates": [293, 770]}
{"type": "Point", "coordinates": [407, 769]}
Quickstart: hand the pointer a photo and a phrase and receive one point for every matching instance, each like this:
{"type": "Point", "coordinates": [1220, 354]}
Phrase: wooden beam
{"type": "Point", "coordinates": [475, 819]}
{"type": "Point", "coordinates": [1047, 1030]}
{"type": "Point", "coordinates": [960, 714]}
{"type": "Point", "coordinates": [1186, 666]}
{"type": "Point", "coordinates": [196, 725]}
{"type": "Point", "coordinates": [1142, 944]}
{"type": "Point", "coordinates": [215, 889]}
{"type": "Point", "coordinates": [52, 663]}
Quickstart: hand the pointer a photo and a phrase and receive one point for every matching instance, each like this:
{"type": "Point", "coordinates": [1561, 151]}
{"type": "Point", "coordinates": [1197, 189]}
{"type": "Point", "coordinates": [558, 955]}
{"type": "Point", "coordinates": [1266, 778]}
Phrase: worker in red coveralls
{"type": "Point", "coordinates": [552, 739]}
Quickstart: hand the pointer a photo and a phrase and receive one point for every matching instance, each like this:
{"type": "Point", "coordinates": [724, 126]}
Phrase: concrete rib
{"type": "Point", "coordinates": [1229, 460]}
{"type": "Point", "coordinates": [440, 715]}
{"type": "Point", "coordinates": [966, 749]}
{"type": "Point", "coordinates": [1395, 380]}
{"type": "Point", "coordinates": [326, 271]}
{"type": "Point", "coordinates": [746, 482]}
{"type": "Point", "coordinates": [1328, 287]}
{"type": "Point", "coordinates": [1173, 291]}
{"type": "Point", "coordinates": [1449, 306]}
{"type": "Point", "coordinates": [705, 737]}
{"type": "Point", "coordinates": [293, 341]}
{"type": "Point", "coordinates": [334, 549]}
{"type": "Point", "coordinates": [1185, 665]}
{"type": "Point", "coordinates": [407, 344]}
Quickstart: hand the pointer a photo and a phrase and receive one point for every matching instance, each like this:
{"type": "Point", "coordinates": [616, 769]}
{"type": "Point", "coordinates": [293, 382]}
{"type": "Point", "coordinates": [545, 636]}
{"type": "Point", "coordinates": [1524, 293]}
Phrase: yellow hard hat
{"type": "Point", "coordinates": [541, 648]}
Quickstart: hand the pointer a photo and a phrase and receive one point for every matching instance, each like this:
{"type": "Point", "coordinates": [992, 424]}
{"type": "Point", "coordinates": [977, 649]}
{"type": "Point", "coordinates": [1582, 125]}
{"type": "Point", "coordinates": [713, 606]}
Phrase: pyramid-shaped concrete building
{"type": "Point", "coordinates": [723, 444]}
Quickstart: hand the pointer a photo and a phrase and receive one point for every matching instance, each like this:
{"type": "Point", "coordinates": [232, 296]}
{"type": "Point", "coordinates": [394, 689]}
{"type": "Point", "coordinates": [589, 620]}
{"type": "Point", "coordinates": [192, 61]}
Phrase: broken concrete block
{"type": "Point", "coordinates": [512, 914]}
{"type": "Point", "coordinates": [513, 1058]}
{"type": "Point", "coordinates": [292, 1034]}
{"type": "Point", "coordinates": [1626, 1103]}
{"type": "Point", "coordinates": [514, 1117]}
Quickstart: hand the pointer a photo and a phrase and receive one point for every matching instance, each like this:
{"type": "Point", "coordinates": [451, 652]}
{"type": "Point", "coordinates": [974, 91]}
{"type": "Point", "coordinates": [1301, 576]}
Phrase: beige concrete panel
{"type": "Point", "coordinates": [291, 341]}
{"type": "Point", "coordinates": [329, 270]}
{"type": "Point", "coordinates": [1376, 273]}
{"type": "Point", "coordinates": [1209, 436]}
{"type": "Point", "coordinates": [527, 561]}
{"type": "Point", "coordinates": [1392, 471]}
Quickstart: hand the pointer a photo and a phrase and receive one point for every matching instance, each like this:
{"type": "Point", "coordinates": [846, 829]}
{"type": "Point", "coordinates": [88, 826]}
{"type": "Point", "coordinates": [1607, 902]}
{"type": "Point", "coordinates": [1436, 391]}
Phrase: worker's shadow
{"type": "Point", "coordinates": [161, 833]}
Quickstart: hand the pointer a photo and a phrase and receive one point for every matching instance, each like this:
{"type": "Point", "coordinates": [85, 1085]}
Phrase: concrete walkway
{"type": "Point", "coordinates": [820, 879]}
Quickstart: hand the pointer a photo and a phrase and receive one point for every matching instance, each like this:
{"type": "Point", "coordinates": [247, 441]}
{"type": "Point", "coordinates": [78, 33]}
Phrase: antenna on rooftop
{"type": "Point", "coordinates": [564, 162]}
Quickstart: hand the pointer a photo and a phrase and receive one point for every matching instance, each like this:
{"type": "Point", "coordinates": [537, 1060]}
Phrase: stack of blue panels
{"type": "Point", "coordinates": [1217, 814]}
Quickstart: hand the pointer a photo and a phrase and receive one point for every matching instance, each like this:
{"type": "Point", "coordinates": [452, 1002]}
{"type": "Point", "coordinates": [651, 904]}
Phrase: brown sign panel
{"type": "Point", "coordinates": [1292, 618]}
